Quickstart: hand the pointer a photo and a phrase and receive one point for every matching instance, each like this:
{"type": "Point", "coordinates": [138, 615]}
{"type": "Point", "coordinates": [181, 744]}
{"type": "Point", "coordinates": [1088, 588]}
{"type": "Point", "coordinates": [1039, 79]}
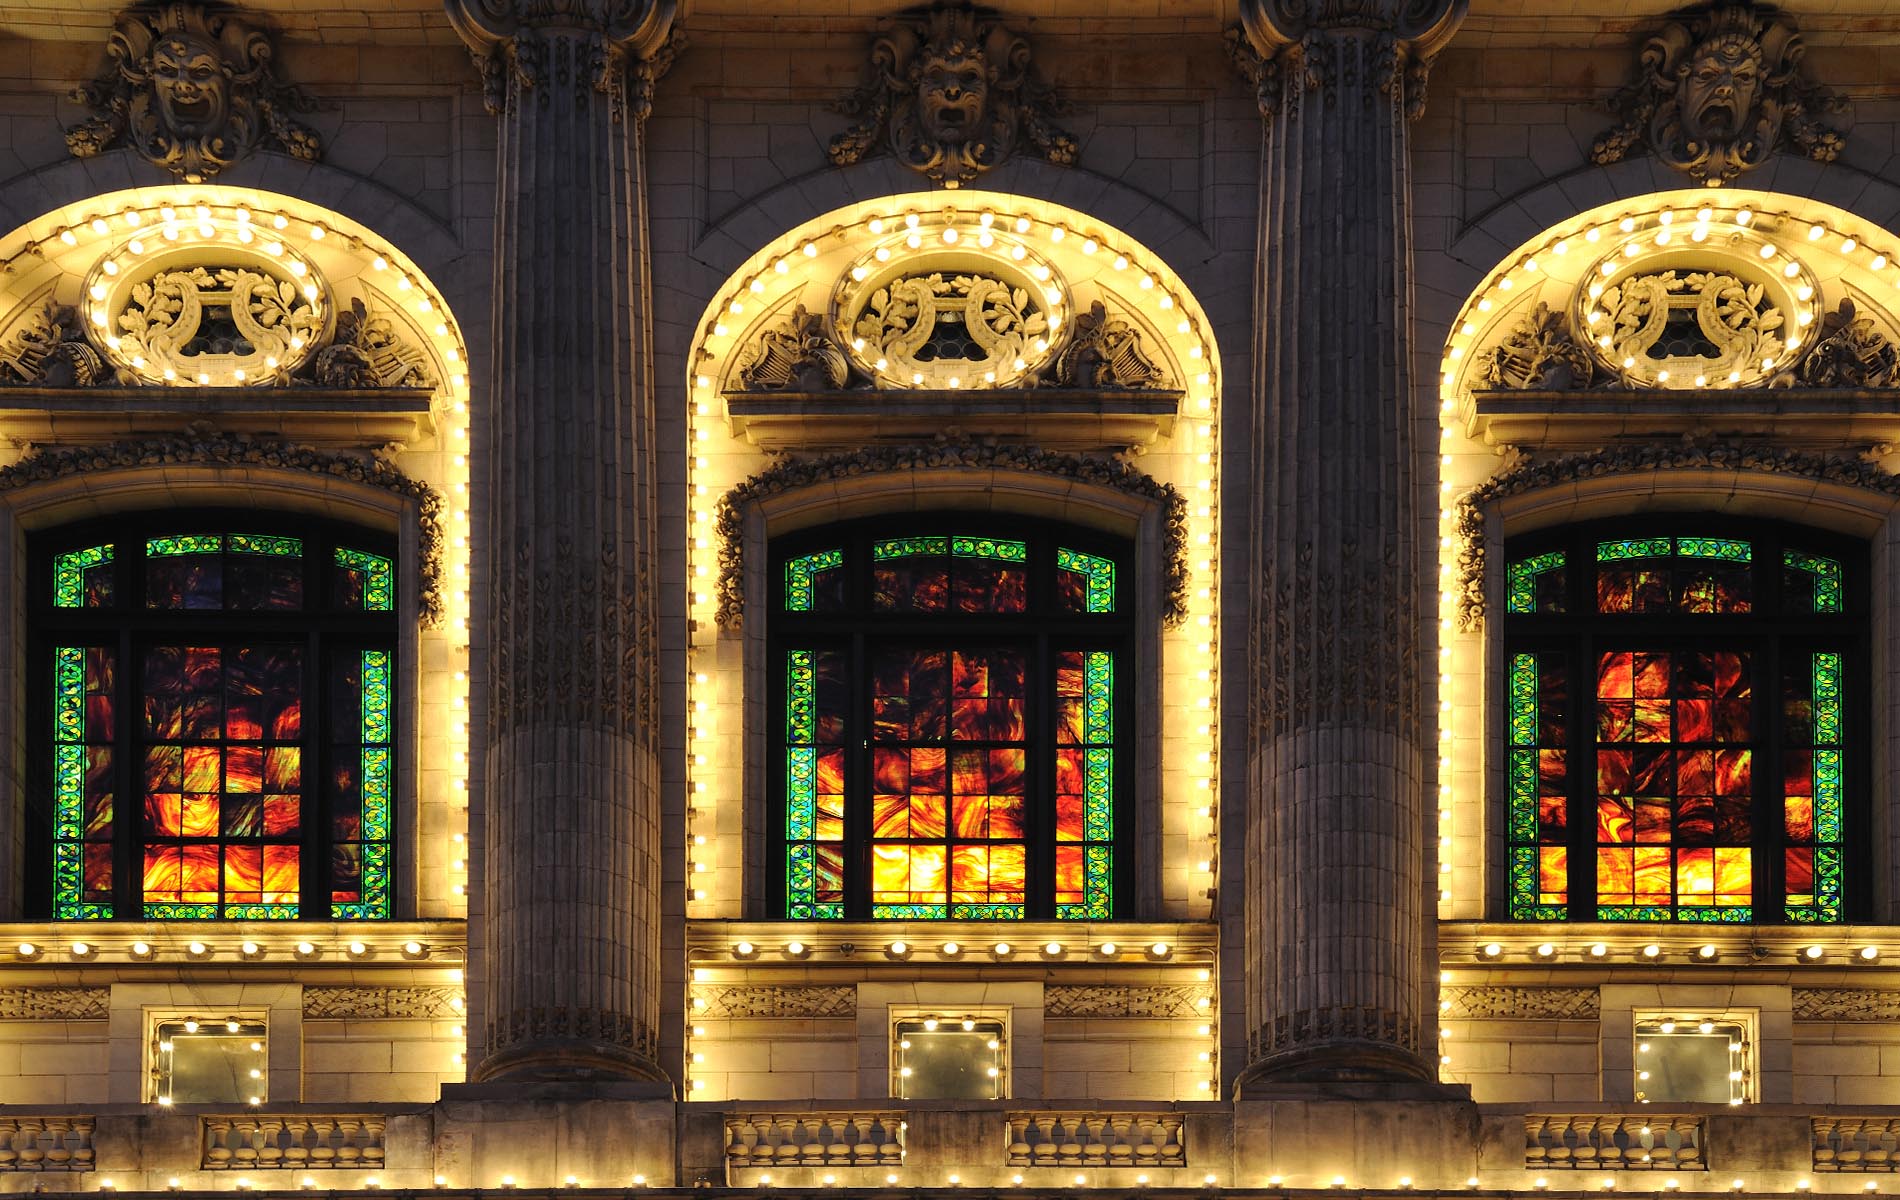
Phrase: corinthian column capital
{"type": "Point", "coordinates": [508, 39]}
{"type": "Point", "coordinates": [1285, 44]}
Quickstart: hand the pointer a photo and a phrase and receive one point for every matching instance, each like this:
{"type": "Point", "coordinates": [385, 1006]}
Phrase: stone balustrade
{"type": "Point", "coordinates": [1097, 1139]}
{"type": "Point", "coordinates": [1599, 1142]}
{"type": "Point", "coordinates": [1856, 1143]}
{"type": "Point", "coordinates": [848, 1139]}
{"type": "Point", "coordinates": [46, 1144]}
{"type": "Point", "coordinates": [291, 1142]}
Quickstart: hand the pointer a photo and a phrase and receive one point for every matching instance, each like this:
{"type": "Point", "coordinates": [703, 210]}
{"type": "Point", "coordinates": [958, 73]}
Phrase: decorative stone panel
{"type": "Point", "coordinates": [55, 1003]}
{"type": "Point", "coordinates": [1519, 1003]}
{"type": "Point", "coordinates": [1846, 1004]}
{"type": "Point", "coordinates": [1097, 1139]}
{"type": "Point", "coordinates": [824, 1001]}
{"type": "Point", "coordinates": [1610, 1142]}
{"type": "Point", "coordinates": [376, 1003]}
{"type": "Point", "coordinates": [1092, 1000]}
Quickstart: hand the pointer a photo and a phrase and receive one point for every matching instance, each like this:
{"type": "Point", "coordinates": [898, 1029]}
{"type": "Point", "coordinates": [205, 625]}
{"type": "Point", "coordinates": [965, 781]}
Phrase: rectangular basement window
{"type": "Point", "coordinates": [1694, 1058]}
{"type": "Point", "coordinates": [209, 1060]}
{"type": "Point", "coordinates": [949, 1057]}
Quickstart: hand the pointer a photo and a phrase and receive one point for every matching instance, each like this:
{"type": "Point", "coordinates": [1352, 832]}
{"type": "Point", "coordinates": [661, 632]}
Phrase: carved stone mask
{"type": "Point", "coordinates": [952, 95]}
{"type": "Point", "coordinates": [1719, 86]}
{"type": "Point", "coordinates": [190, 81]}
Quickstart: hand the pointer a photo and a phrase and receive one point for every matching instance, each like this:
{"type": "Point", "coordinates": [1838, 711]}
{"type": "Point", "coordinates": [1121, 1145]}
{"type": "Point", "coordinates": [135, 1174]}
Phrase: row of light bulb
{"type": "Point", "coordinates": [1707, 952]}
{"type": "Point", "coordinates": [902, 949]}
{"type": "Point", "coordinates": [30, 951]}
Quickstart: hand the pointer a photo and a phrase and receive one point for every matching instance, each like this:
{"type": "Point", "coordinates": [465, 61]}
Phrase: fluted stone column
{"type": "Point", "coordinates": [571, 812]}
{"type": "Point", "coordinates": [1337, 835]}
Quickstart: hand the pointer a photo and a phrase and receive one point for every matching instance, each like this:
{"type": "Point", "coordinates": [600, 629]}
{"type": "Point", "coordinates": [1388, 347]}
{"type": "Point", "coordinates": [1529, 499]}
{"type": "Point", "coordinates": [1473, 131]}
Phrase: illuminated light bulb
{"type": "Point", "coordinates": [1492, 950]}
{"type": "Point", "coordinates": [1869, 953]}
{"type": "Point", "coordinates": [358, 949]}
{"type": "Point", "coordinates": [81, 949]}
{"type": "Point", "coordinates": [1813, 953]}
{"type": "Point", "coordinates": [899, 949]}
{"type": "Point", "coordinates": [247, 948]}
{"type": "Point", "coordinates": [1705, 952]}
{"type": "Point", "coordinates": [197, 947]}
{"type": "Point", "coordinates": [1052, 949]}
{"type": "Point", "coordinates": [507, 1181]}
{"type": "Point", "coordinates": [1107, 949]}
{"type": "Point", "coordinates": [1598, 950]}
{"type": "Point", "coordinates": [951, 949]}
{"type": "Point", "coordinates": [140, 950]}
{"type": "Point", "coordinates": [1767, 252]}
{"type": "Point", "coordinates": [306, 948]}
{"type": "Point", "coordinates": [1546, 950]}
{"type": "Point", "coordinates": [795, 949]}
{"type": "Point", "coordinates": [1001, 949]}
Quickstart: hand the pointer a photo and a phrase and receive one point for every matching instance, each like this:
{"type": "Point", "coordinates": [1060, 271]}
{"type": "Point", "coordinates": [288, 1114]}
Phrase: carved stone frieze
{"type": "Point", "coordinates": [55, 1003]}
{"type": "Point", "coordinates": [1520, 1003]}
{"type": "Point", "coordinates": [193, 90]}
{"type": "Point", "coordinates": [1107, 1000]}
{"type": "Point", "coordinates": [951, 93]}
{"type": "Point", "coordinates": [217, 317]}
{"type": "Point", "coordinates": [791, 474]}
{"type": "Point", "coordinates": [1539, 353]}
{"type": "Point", "coordinates": [1849, 352]}
{"type": "Point", "coordinates": [1104, 352]}
{"type": "Point", "coordinates": [233, 450]}
{"type": "Point", "coordinates": [1717, 91]}
{"type": "Point", "coordinates": [796, 355]}
{"type": "Point", "coordinates": [1846, 1004]}
{"type": "Point", "coordinates": [558, 1022]}
{"type": "Point", "coordinates": [830, 1000]}
{"type": "Point", "coordinates": [1632, 460]}
{"type": "Point", "coordinates": [52, 351]}
{"type": "Point", "coordinates": [373, 1003]}
{"type": "Point", "coordinates": [367, 352]}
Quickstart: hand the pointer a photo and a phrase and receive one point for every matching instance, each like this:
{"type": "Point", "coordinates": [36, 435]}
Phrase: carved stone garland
{"type": "Point", "coordinates": [901, 320]}
{"type": "Point", "coordinates": [1717, 92]}
{"type": "Point", "coordinates": [792, 474]}
{"type": "Point", "coordinates": [234, 450]}
{"type": "Point", "coordinates": [193, 91]}
{"type": "Point", "coordinates": [951, 93]}
{"type": "Point", "coordinates": [1632, 460]}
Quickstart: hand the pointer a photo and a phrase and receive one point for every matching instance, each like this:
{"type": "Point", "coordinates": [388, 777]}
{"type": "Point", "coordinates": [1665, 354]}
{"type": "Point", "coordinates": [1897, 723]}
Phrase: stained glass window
{"type": "Point", "coordinates": [951, 724]}
{"type": "Point", "coordinates": [1676, 734]}
{"type": "Point", "coordinates": [189, 779]}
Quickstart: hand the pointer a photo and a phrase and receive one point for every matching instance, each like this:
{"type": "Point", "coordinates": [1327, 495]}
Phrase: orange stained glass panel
{"type": "Point", "coordinates": [987, 874]}
{"type": "Point", "coordinates": [1552, 874]}
{"type": "Point", "coordinates": [1069, 874]}
{"type": "Point", "coordinates": [199, 815]}
{"type": "Point", "coordinates": [1798, 818]}
{"type": "Point", "coordinates": [244, 769]}
{"type": "Point", "coordinates": [282, 815]}
{"type": "Point", "coordinates": [907, 874]}
{"type": "Point", "coordinates": [283, 769]}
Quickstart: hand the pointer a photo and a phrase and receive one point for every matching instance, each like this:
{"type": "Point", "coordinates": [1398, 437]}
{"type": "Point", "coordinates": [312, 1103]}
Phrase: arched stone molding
{"type": "Point", "coordinates": [1467, 252]}
{"type": "Point", "coordinates": [1099, 494]}
{"type": "Point", "coordinates": [1853, 497]}
{"type": "Point", "coordinates": [50, 489]}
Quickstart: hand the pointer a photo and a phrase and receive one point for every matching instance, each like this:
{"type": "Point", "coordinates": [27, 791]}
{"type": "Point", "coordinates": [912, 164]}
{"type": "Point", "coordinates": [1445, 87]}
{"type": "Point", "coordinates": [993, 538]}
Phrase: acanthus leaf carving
{"type": "Point", "coordinates": [951, 94]}
{"type": "Point", "coordinates": [1717, 92]}
{"type": "Point", "coordinates": [1539, 353]}
{"type": "Point", "coordinates": [193, 90]}
{"type": "Point", "coordinates": [53, 351]}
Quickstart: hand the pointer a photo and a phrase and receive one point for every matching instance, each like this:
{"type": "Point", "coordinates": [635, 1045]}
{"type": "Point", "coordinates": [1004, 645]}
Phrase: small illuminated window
{"type": "Point", "coordinates": [209, 1060]}
{"type": "Point", "coordinates": [950, 1057]}
{"type": "Point", "coordinates": [1694, 1060]}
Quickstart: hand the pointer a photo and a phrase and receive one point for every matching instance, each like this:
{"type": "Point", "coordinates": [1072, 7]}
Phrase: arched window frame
{"type": "Point", "coordinates": [1041, 627]}
{"type": "Point", "coordinates": [324, 629]}
{"type": "Point", "coordinates": [1773, 630]}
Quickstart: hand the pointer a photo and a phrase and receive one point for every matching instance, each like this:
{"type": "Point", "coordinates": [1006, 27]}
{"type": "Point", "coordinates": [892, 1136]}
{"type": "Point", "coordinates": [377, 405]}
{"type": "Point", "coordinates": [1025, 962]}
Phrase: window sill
{"type": "Point", "coordinates": [1809, 418]}
{"type": "Point", "coordinates": [324, 418]}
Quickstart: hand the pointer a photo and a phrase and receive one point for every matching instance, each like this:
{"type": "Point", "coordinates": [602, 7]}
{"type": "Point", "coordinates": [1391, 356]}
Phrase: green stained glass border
{"type": "Point", "coordinates": [1523, 784]}
{"type": "Point", "coordinates": [1829, 592]}
{"type": "Point", "coordinates": [188, 543]}
{"type": "Point", "coordinates": [909, 547]}
{"type": "Point", "coordinates": [1627, 548]}
{"type": "Point", "coordinates": [1829, 802]}
{"type": "Point", "coordinates": [69, 574]}
{"type": "Point", "coordinates": [378, 764]}
{"type": "Point", "coordinates": [960, 545]}
{"type": "Point", "coordinates": [1522, 593]}
{"type": "Point", "coordinates": [258, 543]}
{"type": "Point", "coordinates": [379, 577]}
{"type": "Point", "coordinates": [69, 788]}
{"type": "Point", "coordinates": [801, 792]}
{"type": "Point", "coordinates": [1722, 549]}
{"type": "Point", "coordinates": [802, 573]}
{"type": "Point", "coordinates": [1099, 591]}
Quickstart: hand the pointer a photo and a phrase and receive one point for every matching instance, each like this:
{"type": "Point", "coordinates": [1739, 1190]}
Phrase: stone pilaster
{"type": "Point", "coordinates": [566, 597]}
{"type": "Point", "coordinates": [1337, 834]}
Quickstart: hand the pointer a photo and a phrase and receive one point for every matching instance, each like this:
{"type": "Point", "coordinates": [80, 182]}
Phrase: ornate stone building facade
{"type": "Point", "coordinates": [704, 595]}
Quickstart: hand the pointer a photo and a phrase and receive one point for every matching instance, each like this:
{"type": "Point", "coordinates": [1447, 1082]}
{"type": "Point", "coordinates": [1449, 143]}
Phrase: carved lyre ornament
{"type": "Point", "coordinates": [951, 93]}
{"type": "Point", "coordinates": [193, 90]}
{"type": "Point", "coordinates": [1717, 91]}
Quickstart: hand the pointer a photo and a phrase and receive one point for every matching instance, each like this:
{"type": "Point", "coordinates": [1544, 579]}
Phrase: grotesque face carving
{"type": "Point", "coordinates": [190, 83]}
{"type": "Point", "coordinates": [953, 92]}
{"type": "Point", "coordinates": [1720, 83]}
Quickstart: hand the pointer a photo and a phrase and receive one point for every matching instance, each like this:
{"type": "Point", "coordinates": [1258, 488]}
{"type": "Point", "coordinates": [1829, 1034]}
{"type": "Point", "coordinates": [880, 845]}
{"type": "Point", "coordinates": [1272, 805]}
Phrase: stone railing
{"type": "Point", "coordinates": [46, 1144]}
{"type": "Point", "coordinates": [299, 1142]}
{"type": "Point", "coordinates": [848, 1139]}
{"type": "Point", "coordinates": [1097, 1139]}
{"type": "Point", "coordinates": [1856, 1144]}
{"type": "Point", "coordinates": [1652, 1142]}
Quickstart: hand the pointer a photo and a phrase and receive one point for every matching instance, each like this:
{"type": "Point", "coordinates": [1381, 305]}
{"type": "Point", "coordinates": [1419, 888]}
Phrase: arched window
{"type": "Point", "coordinates": [952, 743]}
{"type": "Point", "coordinates": [1682, 741]}
{"type": "Point", "coordinates": [215, 709]}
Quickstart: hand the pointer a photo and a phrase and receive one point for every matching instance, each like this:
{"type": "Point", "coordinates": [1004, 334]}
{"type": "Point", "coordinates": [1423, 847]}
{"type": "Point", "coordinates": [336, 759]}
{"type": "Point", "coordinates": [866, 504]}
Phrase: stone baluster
{"type": "Point", "coordinates": [374, 1129]}
{"type": "Point", "coordinates": [82, 1147]}
{"type": "Point", "coordinates": [296, 1152]}
{"type": "Point", "coordinates": [864, 1151]}
{"type": "Point", "coordinates": [891, 1150]}
{"type": "Point", "coordinates": [31, 1152]}
{"type": "Point", "coordinates": [1121, 1142]}
{"type": "Point", "coordinates": [57, 1152]}
{"type": "Point", "coordinates": [1045, 1141]}
{"type": "Point", "coordinates": [1337, 837]}
{"type": "Point", "coordinates": [567, 624]}
{"type": "Point", "coordinates": [243, 1142]}
{"type": "Point", "coordinates": [323, 1142]}
{"type": "Point", "coordinates": [1173, 1141]}
{"type": "Point", "coordinates": [270, 1150]}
